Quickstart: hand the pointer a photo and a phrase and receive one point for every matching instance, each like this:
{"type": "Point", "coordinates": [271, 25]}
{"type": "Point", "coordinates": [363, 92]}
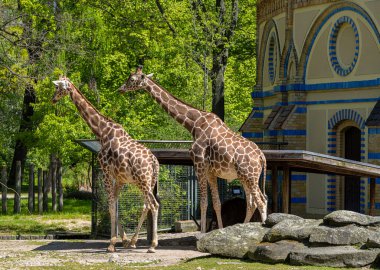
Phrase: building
{"type": "Point", "coordinates": [318, 88]}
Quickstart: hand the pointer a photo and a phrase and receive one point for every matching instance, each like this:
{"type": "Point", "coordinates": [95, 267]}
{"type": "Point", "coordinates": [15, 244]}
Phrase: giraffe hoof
{"type": "Point", "coordinates": [133, 246]}
{"type": "Point", "coordinates": [151, 250]}
{"type": "Point", "coordinates": [111, 248]}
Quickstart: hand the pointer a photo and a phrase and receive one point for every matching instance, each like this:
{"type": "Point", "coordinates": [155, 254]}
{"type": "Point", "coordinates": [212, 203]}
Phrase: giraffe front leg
{"type": "Point", "coordinates": [216, 200]}
{"type": "Point", "coordinates": [112, 210]}
{"type": "Point", "coordinates": [202, 181]}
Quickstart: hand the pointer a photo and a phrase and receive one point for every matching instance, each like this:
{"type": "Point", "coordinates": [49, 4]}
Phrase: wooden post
{"type": "Point", "coordinates": [59, 185]}
{"type": "Point", "coordinates": [4, 190]}
{"type": "Point", "coordinates": [40, 196]}
{"type": "Point", "coordinates": [17, 197]}
{"type": "Point", "coordinates": [274, 190]}
{"type": "Point", "coordinates": [45, 191]}
{"type": "Point", "coordinates": [54, 185]}
{"type": "Point", "coordinates": [285, 190]}
{"type": "Point", "coordinates": [372, 193]}
{"type": "Point", "coordinates": [31, 189]}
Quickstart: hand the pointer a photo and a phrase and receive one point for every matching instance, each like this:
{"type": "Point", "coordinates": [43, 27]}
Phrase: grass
{"type": "Point", "coordinates": [205, 263]}
{"type": "Point", "coordinates": [75, 217]}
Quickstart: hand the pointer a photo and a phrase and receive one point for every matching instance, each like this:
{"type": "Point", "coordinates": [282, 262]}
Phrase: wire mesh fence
{"type": "Point", "coordinates": [177, 192]}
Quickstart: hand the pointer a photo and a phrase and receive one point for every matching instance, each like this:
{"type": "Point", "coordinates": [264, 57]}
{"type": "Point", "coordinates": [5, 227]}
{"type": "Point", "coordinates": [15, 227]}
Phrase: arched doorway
{"type": "Point", "coordinates": [352, 149]}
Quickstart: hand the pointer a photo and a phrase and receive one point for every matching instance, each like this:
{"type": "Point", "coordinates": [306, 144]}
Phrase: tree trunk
{"type": "Point", "coordinates": [219, 66]}
{"type": "Point", "coordinates": [26, 124]}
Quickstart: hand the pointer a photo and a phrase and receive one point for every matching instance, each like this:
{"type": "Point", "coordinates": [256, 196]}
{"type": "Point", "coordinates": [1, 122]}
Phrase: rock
{"type": "Point", "coordinates": [347, 235]}
{"type": "Point", "coordinates": [274, 252]}
{"type": "Point", "coordinates": [292, 230]}
{"type": "Point", "coordinates": [345, 217]}
{"type": "Point", "coordinates": [233, 241]}
{"type": "Point", "coordinates": [336, 256]}
{"type": "Point", "coordinates": [185, 226]}
{"type": "Point", "coordinates": [373, 241]}
{"type": "Point", "coordinates": [275, 218]}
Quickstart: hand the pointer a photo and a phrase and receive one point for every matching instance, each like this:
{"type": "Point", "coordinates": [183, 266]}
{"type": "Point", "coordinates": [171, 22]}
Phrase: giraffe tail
{"type": "Point", "coordinates": [264, 164]}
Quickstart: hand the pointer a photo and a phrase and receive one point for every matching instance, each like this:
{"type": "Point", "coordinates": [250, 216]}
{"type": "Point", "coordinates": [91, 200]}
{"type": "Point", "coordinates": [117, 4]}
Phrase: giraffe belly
{"type": "Point", "coordinates": [229, 175]}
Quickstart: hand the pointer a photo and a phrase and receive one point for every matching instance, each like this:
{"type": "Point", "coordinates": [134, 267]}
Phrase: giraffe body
{"type": "Point", "coordinates": [123, 161]}
{"type": "Point", "coordinates": [217, 151]}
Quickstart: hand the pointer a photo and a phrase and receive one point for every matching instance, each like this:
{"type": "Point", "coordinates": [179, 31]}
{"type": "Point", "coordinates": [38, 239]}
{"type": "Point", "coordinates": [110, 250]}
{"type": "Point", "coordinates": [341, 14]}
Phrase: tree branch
{"type": "Point", "coordinates": [162, 11]}
{"type": "Point", "coordinates": [234, 19]}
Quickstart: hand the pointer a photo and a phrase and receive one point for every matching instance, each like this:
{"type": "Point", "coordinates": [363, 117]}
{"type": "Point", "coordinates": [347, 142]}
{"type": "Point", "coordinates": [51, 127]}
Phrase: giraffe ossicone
{"type": "Point", "coordinates": [217, 151]}
{"type": "Point", "coordinates": [123, 161]}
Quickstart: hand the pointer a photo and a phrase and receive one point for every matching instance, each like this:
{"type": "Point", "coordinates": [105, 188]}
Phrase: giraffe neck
{"type": "Point", "coordinates": [94, 119]}
{"type": "Point", "coordinates": [183, 113]}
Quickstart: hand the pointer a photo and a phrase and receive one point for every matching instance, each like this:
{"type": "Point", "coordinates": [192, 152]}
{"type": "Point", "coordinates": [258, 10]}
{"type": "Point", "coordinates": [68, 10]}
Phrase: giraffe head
{"type": "Point", "coordinates": [136, 81]}
{"type": "Point", "coordinates": [62, 88]}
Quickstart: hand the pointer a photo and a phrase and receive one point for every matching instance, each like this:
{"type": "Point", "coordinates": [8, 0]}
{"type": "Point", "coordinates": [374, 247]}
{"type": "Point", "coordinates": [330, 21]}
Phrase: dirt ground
{"type": "Point", "coordinates": [16, 254]}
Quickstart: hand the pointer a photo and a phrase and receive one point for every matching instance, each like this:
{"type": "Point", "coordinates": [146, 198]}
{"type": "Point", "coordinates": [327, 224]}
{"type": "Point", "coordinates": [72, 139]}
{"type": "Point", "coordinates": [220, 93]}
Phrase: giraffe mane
{"type": "Point", "coordinates": [177, 99]}
{"type": "Point", "coordinates": [84, 97]}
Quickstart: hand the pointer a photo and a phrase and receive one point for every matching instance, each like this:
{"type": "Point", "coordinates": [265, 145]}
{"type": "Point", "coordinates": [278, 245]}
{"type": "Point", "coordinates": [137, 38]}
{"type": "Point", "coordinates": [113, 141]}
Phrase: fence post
{"type": "Point", "coordinates": [45, 191]}
{"type": "Point", "coordinates": [40, 186]}
{"type": "Point", "coordinates": [4, 190]}
{"type": "Point", "coordinates": [54, 185]}
{"type": "Point", "coordinates": [59, 185]}
{"type": "Point", "coordinates": [17, 197]}
{"type": "Point", "coordinates": [31, 189]}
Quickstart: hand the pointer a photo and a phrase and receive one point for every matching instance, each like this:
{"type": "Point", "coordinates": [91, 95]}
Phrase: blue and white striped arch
{"type": "Point", "coordinates": [346, 114]}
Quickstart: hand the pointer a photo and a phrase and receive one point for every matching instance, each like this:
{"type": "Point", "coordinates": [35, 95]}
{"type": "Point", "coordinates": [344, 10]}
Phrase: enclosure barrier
{"type": "Point", "coordinates": [48, 181]}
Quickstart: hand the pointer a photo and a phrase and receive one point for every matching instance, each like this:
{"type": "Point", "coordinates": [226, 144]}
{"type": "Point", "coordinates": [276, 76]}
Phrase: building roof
{"type": "Point", "coordinates": [278, 117]}
{"type": "Point", "coordinates": [374, 117]}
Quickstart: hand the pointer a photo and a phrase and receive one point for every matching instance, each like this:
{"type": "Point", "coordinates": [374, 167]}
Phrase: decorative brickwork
{"type": "Point", "coordinates": [289, 97]}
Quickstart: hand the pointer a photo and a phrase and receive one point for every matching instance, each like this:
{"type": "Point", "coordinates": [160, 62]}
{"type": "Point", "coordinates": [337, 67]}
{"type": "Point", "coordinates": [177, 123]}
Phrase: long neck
{"type": "Point", "coordinates": [93, 118]}
{"type": "Point", "coordinates": [183, 113]}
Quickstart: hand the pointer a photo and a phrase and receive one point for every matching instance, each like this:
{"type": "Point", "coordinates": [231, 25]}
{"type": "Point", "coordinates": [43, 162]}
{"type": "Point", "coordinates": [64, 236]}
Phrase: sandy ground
{"type": "Point", "coordinates": [16, 254]}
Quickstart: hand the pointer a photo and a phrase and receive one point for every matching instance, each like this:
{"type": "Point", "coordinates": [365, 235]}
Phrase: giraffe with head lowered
{"type": "Point", "coordinates": [217, 151]}
{"type": "Point", "coordinates": [122, 159]}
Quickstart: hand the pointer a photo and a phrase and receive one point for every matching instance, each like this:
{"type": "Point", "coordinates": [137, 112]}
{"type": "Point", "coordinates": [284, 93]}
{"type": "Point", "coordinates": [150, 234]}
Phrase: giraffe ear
{"type": "Point", "coordinates": [150, 75]}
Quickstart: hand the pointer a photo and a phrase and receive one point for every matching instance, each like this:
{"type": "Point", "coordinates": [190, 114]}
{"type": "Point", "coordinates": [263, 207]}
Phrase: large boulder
{"type": "Point", "coordinates": [276, 218]}
{"type": "Point", "coordinates": [345, 217]}
{"type": "Point", "coordinates": [233, 241]}
{"type": "Point", "coordinates": [334, 256]}
{"type": "Point", "coordinates": [373, 241]}
{"type": "Point", "coordinates": [347, 235]}
{"type": "Point", "coordinates": [290, 229]}
{"type": "Point", "coordinates": [274, 252]}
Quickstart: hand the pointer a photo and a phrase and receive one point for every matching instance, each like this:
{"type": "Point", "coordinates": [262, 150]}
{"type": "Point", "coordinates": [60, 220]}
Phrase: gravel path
{"type": "Point", "coordinates": [173, 248]}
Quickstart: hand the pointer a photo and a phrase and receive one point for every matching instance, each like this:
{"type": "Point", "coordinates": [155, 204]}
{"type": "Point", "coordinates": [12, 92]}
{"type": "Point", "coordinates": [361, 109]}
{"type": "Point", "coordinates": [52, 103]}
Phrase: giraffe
{"type": "Point", "coordinates": [216, 151]}
{"type": "Point", "coordinates": [122, 159]}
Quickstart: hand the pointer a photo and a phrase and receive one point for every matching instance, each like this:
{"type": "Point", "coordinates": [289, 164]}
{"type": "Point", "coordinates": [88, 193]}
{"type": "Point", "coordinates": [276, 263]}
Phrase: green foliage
{"type": "Point", "coordinates": [97, 44]}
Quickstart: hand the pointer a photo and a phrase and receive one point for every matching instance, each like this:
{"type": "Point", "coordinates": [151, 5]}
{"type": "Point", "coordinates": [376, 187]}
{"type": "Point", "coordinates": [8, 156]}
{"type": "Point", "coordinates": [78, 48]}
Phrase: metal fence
{"type": "Point", "coordinates": [178, 195]}
{"type": "Point", "coordinates": [177, 189]}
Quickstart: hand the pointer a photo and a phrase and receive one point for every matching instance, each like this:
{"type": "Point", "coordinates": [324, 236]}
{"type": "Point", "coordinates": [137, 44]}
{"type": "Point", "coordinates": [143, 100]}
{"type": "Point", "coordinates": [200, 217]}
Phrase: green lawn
{"type": "Point", "coordinates": [75, 217]}
{"type": "Point", "coordinates": [205, 263]}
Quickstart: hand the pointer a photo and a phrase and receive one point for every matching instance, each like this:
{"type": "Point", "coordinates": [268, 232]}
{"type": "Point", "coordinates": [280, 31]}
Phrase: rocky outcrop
{"type": "Point", "coordinates": [346, 256]}
{"type": "Point", "coordinates": [233, 241]}
{"type": "Point", "coordinates": [292, 229]}
{"type": "Point", "coordinates": [276, 218]}
{"type": "Point", "coordinates": [274, 252]}
{"type": "Point", "coordinates": [344, 217]}
{"type": "Point", "coordinates": [341, 239]}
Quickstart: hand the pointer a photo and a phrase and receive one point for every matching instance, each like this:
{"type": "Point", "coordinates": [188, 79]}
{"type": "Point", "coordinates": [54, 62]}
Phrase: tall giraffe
{"type": "Point", "coordinates": [217, 151]}
{"type": "Point", "coordinates": [122, 159]}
